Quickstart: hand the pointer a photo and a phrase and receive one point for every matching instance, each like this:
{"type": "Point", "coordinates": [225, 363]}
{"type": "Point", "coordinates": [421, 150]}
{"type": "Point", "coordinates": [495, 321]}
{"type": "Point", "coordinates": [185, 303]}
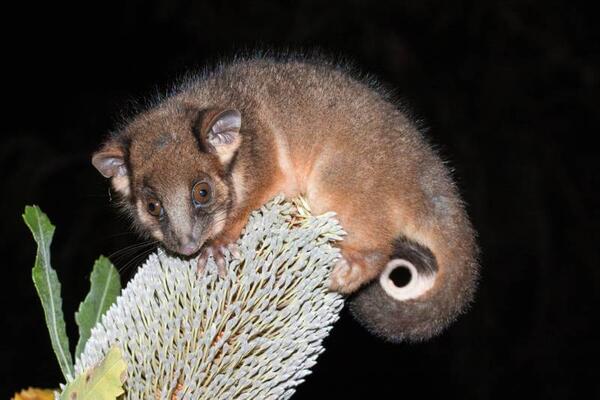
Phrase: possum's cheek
{"type": "Point", "coordinates": [121, 185]}
{"type": "Point", "coordinates": [158, 235]}
{"type": "Point", "coordinates": [148, 223]}
{"type": "Point", "coordinates": [218, 223]}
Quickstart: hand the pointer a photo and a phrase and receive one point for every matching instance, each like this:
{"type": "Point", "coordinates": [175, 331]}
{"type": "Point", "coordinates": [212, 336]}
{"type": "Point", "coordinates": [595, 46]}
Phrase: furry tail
{"type": "Point", "coordinates": [422, 289]}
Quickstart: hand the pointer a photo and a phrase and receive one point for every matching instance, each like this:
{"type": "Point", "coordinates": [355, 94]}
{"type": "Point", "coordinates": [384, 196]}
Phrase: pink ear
{"type": "Point", "coordinates": [223, 134]}
{"type": "Point", "coordinates": [110, 162]}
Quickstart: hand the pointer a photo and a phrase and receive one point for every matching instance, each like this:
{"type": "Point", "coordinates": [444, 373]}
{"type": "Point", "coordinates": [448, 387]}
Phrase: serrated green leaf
{"type": "Point", "coordinates": [103, 382]}
{"type": "Point", "coordinates": [104, 289]}
{"type": "Point", "coordinates": [47, 285]}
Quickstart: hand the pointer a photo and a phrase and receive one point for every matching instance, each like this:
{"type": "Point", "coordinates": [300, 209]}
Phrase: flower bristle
{"type": "Point", "coordinates": [253, 334]}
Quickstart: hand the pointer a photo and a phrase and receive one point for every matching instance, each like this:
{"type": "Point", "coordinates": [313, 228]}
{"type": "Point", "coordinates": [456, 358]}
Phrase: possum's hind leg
{"type": "Point", "coordinates": [355, 268]}
{"type": "Point", "coordinates": [368, 244]}
{"type": "Point", "coordinates": [337, 185]}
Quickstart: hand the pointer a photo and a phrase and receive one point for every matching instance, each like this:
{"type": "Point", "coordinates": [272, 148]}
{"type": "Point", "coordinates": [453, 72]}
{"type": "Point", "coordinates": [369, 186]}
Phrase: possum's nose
{"type": "Point", "coordinates": [189, 247]}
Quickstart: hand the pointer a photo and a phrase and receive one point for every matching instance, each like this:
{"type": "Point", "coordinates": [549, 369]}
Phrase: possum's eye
{"type": "Point", "coordinates": [155, 208]}
{"type": "Point", "coordinates": [201, 194]}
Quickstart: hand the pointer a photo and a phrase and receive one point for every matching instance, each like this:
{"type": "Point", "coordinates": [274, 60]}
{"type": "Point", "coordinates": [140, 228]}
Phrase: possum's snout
{"type": "Point", "coordinates": [411, 299]}
{"type": "Point", "coordinates": [189, 248]}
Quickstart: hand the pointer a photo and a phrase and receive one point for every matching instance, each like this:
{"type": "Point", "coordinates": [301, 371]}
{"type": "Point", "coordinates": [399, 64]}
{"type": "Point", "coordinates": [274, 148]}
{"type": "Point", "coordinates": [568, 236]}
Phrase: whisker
{"type": "Point", "coordinates": [135, 260]}
{"type": "Point", "coordinates": [121, 234]}
{"type": "Point", "coordinates": [132, 247]}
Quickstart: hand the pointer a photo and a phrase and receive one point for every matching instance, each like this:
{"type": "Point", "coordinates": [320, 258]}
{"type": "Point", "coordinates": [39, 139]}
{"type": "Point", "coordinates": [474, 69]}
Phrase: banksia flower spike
{"type": "Point", "coordinates": [253, 334]}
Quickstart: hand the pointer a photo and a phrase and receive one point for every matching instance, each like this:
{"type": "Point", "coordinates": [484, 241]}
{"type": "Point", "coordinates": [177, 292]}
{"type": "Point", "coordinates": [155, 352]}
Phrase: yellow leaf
{"type": "Point", "coordinates": [102, 382]}
{"type": "Point", "coordinates": [34, 394]}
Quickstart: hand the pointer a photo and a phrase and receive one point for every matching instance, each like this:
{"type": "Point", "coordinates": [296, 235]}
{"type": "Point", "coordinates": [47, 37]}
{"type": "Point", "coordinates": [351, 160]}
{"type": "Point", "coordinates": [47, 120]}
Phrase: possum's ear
{"type": "Point", "coordinates": [221, 134]}
{"type": "Point", "coordinates": [110, 162]}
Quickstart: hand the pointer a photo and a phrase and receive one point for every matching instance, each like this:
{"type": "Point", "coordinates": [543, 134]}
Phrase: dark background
{"type": "Point", "coordinates": [508, 91]}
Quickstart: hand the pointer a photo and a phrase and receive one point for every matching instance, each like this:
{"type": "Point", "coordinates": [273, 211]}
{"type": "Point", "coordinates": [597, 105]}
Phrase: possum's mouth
{"type": "Point", "coordinates": [177, 253]}
{"type": "Point", "coordinates": [189, 249]}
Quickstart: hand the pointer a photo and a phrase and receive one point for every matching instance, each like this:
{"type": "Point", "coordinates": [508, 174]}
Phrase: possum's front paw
{"type": "Point", "coordinates": [217, 249]}
{"type": "Point", "coordinates": [352, 271]}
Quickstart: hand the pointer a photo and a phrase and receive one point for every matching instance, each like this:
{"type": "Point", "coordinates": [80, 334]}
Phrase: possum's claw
{"type": "Point", "coordinates": [234, 250]}
{"type": "Point", "coordinates": [202, 259]}
{"type": "Point", "coordinates": [217, 250]}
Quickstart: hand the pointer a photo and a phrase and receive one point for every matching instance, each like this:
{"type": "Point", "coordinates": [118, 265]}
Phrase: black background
{"type": "Point", "coordinates": [508, 91]}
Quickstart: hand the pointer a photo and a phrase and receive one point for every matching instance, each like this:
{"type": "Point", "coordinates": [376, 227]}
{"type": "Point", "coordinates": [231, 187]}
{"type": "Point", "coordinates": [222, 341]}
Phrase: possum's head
{"type": "Point", "coordinates": [171, 168]}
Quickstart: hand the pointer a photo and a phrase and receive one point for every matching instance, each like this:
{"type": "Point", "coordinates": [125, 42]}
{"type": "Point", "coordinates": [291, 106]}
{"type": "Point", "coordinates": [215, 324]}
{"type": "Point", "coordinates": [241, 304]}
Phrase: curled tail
{"type": "Point", "coordinates": [423, 287]}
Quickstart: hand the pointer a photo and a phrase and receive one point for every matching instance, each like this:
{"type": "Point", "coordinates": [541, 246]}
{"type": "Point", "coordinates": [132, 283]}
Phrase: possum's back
{"type": "Point", "coordinates": [313, 103]}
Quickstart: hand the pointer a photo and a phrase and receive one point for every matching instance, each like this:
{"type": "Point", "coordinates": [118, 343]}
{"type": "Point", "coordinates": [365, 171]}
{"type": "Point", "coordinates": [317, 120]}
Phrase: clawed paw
{"type": "Point", "coordinates": [217, 250]}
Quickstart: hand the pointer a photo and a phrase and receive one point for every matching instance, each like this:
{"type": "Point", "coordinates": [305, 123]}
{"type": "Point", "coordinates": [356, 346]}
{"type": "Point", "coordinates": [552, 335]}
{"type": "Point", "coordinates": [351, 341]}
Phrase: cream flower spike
{"type": "Point", "coordinates": [254, 334]}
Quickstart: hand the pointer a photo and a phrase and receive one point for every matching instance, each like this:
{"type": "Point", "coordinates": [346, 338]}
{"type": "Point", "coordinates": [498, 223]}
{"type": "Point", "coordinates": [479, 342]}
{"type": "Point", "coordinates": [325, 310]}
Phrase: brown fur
{"type": "Point", "coordinates": [311, 129]}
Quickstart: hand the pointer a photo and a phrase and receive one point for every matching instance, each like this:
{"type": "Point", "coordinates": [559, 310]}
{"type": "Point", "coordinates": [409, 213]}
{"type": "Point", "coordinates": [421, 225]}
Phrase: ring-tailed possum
{"type": "Point", "coordinates": [191, 169]}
